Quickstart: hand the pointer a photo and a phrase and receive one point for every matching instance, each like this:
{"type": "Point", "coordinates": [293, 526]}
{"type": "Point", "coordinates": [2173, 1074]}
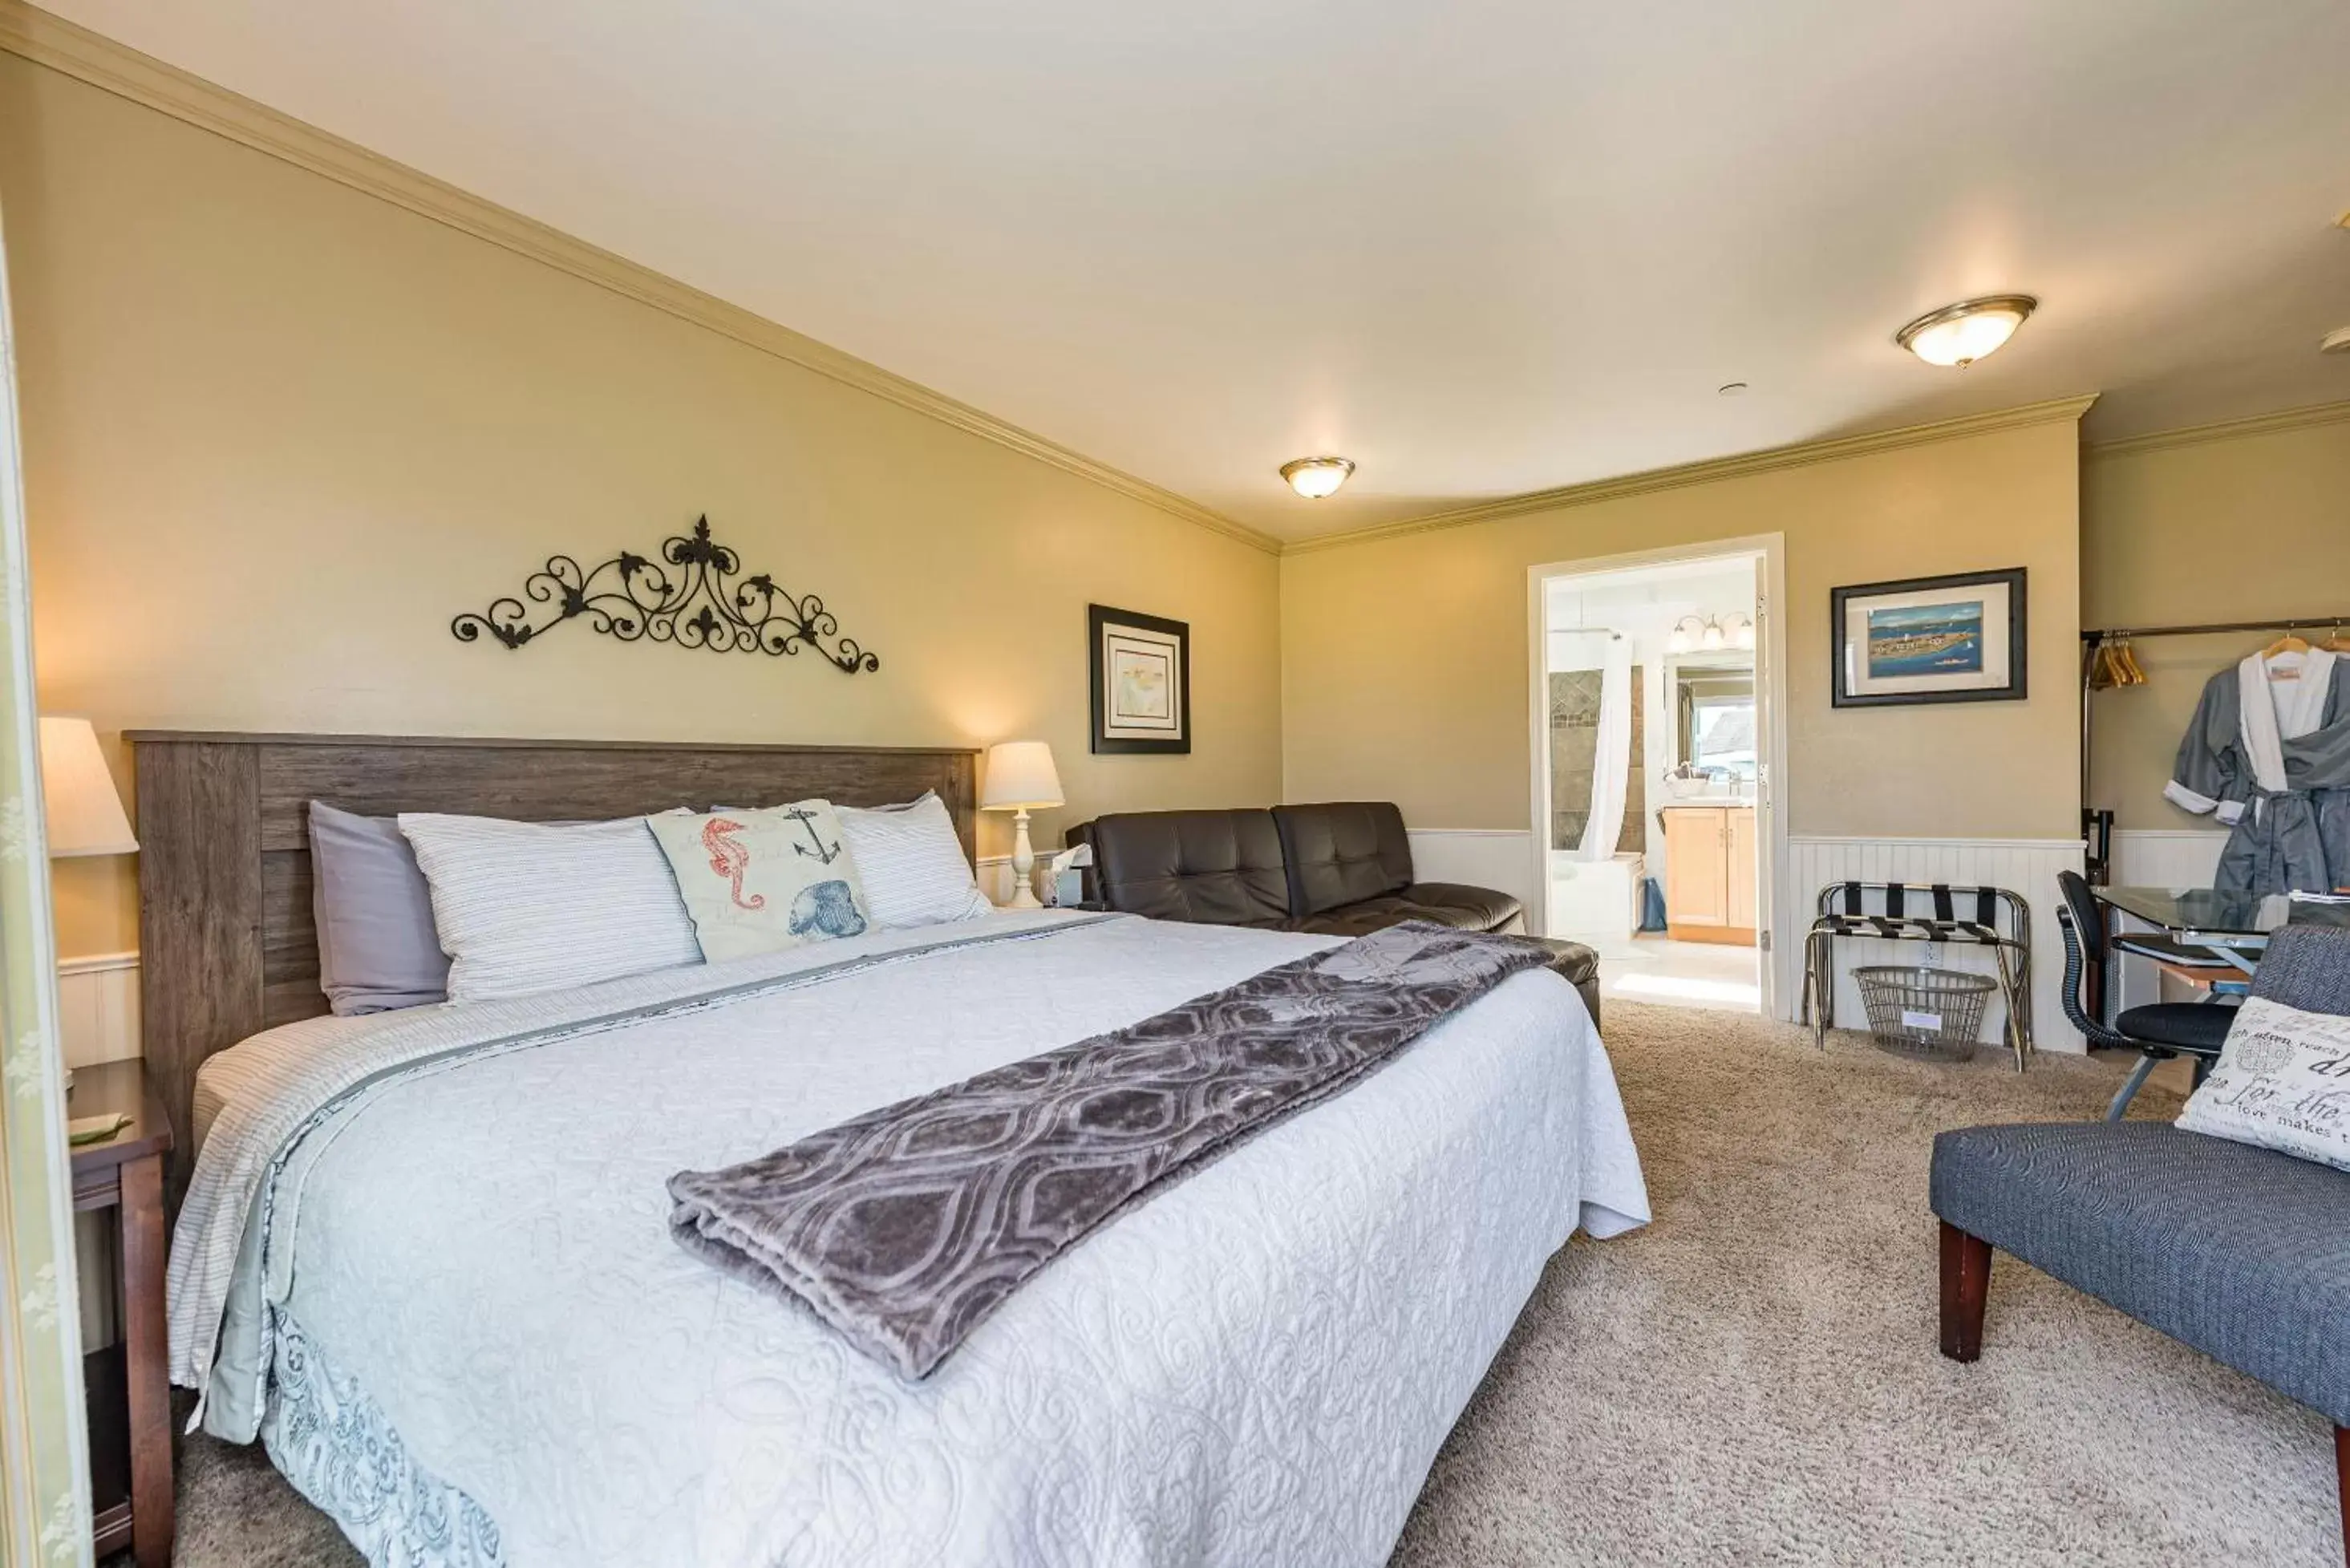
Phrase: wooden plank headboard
{"type": "Point", "coordinates": [227, 946]}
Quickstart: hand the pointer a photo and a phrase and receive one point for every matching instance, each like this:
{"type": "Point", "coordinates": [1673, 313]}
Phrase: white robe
{"type": "Point", "coordinates": [2272, 759]}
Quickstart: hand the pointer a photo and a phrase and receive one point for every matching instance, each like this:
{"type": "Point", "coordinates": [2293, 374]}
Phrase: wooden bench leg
{"type": "Point", "coordinates": [2341, 1483]}
{"type": "Point", "coordinates": [1966, 1282]}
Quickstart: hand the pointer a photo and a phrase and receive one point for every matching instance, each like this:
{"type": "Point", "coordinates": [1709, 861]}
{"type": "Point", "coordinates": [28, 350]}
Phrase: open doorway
{"type": "Point", "coordinates": [1653, 752]}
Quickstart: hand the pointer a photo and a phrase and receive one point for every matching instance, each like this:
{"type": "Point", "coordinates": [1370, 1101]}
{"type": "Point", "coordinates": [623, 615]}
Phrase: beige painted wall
{"type": "Point", "coordinates": [279, 432]}
{"type": "Point", "coordinates": [2236, 527]}
{"type": "Point", "coordinates": [1404, 660]}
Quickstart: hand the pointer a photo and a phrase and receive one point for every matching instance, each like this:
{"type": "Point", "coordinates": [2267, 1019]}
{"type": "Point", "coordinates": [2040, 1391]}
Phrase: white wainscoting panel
{"type": "Point", "coordinates": [2025, 866]}
{"type": "Point", "coordinates": [2159, 857]}
{"type": "Point", "coordinates": [97, 1008]}
{"type": "Point", "coordinates": [2166, 856]}
{"type": "Point", "coordinates": [997, 878]}
{"type": "Point", "coordinates": [1502, 858]}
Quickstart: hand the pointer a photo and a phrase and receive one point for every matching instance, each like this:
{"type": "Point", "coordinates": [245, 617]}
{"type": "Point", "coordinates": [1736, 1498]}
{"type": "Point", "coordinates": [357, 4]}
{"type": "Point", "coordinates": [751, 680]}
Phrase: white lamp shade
{"type": "Point", "coordinates": [1020, 777]}
{"type": "Point", "coordinates": [85, 813]}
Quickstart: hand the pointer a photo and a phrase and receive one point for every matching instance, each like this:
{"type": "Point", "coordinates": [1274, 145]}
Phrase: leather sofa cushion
{"type": "Point", "coordinates": [1344, 852]}
{"type": "Point", "coordinates": [1577, 964]}
{"type": "Point", "coordinates": [1445, 903]}
{"type": "Point", "coordinates": [1211, 867]}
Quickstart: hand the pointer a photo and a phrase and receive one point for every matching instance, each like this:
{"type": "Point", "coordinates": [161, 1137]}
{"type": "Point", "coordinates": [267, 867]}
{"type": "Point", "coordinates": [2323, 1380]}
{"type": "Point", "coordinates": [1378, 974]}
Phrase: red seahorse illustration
{"type": "Point", "coordinates": [730, 859]}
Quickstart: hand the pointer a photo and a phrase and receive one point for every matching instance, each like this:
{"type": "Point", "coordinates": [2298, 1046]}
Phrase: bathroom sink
{"type": "Point", "coordinates": [1704, 791]}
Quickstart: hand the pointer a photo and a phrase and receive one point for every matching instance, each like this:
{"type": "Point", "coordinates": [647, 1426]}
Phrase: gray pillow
{"type": "Point", "coordinates": [378, 948]}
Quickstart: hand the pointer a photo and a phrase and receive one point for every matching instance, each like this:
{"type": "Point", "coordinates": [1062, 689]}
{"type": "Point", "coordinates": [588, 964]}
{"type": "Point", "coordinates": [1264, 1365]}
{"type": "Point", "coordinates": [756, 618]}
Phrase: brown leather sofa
{"type": "Point", "coordinates": [1339, 867]}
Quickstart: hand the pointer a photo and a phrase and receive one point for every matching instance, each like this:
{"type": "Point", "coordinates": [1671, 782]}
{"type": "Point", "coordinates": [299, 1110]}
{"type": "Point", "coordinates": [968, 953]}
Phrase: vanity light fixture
{"type": "Point", "coordinates": [1316, 477]}
{"type": "Point", "coordinates": [1957, 335]}
{"type": "Point", "coordinates": [1709, 633]}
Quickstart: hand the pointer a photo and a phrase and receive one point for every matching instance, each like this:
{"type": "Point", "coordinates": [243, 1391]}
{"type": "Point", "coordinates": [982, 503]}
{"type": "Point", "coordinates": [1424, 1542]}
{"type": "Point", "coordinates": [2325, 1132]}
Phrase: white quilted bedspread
{"type": "Point", "coordinates": [1254, 1368]}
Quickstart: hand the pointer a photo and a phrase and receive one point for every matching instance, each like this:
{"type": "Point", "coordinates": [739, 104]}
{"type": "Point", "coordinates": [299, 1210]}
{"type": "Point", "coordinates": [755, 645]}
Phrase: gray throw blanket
{"type": "Point", "coordinates": [904, 1228]}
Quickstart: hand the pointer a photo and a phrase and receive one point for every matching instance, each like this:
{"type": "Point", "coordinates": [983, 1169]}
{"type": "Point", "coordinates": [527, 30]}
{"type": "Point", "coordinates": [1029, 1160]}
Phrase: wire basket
{"type": "Point", "coordinates": [1935, 1012]}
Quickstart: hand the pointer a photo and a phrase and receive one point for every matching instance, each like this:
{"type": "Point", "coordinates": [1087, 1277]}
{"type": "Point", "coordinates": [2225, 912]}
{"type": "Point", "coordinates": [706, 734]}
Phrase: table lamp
{"type": "Point", "coordinates": [85, 813]}
{"type": "Point", "coordinates": [1021, 779]}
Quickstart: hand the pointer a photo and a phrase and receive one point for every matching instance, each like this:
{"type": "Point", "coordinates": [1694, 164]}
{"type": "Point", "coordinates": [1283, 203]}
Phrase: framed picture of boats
{"type": "Point", "coordinates": [1958, 638]}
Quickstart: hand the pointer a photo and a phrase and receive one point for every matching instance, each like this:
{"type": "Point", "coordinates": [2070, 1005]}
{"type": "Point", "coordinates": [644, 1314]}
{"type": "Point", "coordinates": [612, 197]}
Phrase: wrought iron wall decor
{"type": "Point", "coordinates": [631, 597]}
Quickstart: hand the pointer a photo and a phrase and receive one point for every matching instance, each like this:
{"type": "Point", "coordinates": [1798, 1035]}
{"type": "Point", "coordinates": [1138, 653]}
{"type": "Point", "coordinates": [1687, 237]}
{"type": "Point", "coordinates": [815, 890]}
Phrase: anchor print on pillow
{"type": "Point", "coordinates": [756, 881]}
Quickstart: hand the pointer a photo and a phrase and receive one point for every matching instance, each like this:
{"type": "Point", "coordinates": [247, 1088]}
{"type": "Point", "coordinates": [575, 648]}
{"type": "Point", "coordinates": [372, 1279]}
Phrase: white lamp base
{"type": "Point", "coordinates": [1023, 866]}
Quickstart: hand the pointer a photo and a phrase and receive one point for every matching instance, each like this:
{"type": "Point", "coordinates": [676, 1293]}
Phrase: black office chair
{"type": "Point", "coordinates": [2157, 1032]}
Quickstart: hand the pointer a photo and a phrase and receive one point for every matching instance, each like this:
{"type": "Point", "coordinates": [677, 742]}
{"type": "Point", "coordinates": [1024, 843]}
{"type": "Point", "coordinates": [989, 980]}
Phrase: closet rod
{"type": "Point", "coordinates": [2305, 623]}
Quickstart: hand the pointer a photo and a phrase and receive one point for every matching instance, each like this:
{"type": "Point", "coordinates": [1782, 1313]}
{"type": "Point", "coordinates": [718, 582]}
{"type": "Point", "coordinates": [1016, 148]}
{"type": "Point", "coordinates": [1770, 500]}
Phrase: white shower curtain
{"type": "Point", "coordinates": [1611, 767]}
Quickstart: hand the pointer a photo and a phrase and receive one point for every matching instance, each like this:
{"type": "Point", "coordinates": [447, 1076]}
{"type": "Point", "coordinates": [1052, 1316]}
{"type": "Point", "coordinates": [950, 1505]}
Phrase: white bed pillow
{"type": "Point", "coordinates": [2282, 1082]}
{"type": "Point", "coordinates": [911, 864]}
{"type": "Point", "coordinates": [523, 907]}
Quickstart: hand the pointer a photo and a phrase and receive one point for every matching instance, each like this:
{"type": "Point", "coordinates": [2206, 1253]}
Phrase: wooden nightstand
{"type": "Point", "coordinates": [129, 1383]}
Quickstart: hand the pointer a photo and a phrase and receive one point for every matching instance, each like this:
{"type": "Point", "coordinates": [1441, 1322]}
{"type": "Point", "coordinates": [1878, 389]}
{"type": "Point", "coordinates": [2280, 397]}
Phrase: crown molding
{"type": "Point", "coordinates": [102, 62]}
{"type": "Point", "coordinates": [1705, 473]}
{"type": "Point", "coordinates": [2225, 429]}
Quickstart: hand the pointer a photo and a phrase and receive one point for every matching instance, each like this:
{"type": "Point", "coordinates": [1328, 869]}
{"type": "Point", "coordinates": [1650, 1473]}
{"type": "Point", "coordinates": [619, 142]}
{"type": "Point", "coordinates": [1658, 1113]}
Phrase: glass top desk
{"type": "Point", "coordinates": [2237, 925]}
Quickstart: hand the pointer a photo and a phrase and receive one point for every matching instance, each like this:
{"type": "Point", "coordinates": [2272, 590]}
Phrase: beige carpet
{"type": "Point", "coordinates": [1752, 1379]}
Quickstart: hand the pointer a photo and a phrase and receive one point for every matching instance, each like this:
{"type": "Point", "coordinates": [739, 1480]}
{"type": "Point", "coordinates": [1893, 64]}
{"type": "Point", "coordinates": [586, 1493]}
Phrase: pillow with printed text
{"type": "Point", "coordinates": [2282, 1082]}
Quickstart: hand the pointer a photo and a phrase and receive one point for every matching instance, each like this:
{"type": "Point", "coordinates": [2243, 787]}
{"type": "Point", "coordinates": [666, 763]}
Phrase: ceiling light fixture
{"type": "Point", "coordinates": [2335, 342]}
{"type": "Point", "coordinates": [1957, 335]}
{"type": "Point", "coordinates": [1316, 477]}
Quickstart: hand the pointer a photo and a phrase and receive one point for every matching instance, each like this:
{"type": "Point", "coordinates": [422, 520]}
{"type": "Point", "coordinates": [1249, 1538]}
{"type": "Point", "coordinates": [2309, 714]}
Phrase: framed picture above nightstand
{"type": "Point", "coordinates": [1141, 681]}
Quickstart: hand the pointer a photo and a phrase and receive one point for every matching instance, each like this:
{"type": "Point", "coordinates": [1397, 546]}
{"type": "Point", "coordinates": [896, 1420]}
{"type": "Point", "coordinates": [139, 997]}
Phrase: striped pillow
{"type": "Point", "coordinates": [910, 865]}
{"type": "Point", "coordinates": [524, 906]}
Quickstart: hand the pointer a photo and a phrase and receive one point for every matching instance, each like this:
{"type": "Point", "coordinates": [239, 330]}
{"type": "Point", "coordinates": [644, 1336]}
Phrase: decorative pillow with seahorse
{"type": "Point", "coordinates": [758, 881]}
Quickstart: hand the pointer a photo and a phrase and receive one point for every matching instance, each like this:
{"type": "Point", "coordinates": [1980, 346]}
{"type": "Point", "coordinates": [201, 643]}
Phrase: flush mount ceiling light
{"type": "Point", "coordinates": [1316, 477]}
{"type": "Point", "coordinates": [1957, 335]}
{"type": "Point", "coordinates": [2335, 342]}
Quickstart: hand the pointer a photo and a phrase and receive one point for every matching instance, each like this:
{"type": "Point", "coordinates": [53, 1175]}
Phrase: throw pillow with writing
{"type": "Point", "coordinates": [2282, 1082]}
{"type": "Point", "coordinates": [756, 881]}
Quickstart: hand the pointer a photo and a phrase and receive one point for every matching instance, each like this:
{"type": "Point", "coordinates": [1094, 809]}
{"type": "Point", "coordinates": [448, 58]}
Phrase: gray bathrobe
{"type": "Point", "coordinates": [2272, 761]}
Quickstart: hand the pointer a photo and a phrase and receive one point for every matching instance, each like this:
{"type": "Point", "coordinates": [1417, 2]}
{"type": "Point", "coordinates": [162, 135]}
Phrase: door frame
{"type": "Point", "coordinates": [1772, 968]}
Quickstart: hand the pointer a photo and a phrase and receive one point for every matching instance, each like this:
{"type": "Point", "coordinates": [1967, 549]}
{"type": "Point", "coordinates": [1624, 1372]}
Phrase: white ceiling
{"type": "Point", "coordinates": [1481, 247]}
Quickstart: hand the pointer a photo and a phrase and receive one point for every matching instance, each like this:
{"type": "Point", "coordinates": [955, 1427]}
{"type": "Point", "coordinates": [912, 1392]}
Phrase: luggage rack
{"type": "Point", "coordinates": [1845, 911]}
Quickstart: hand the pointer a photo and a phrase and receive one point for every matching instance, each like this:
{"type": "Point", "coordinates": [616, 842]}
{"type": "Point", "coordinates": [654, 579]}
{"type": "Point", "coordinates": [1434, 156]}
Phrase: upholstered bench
{"type": "Point", "coordinates": [2240, 1251]}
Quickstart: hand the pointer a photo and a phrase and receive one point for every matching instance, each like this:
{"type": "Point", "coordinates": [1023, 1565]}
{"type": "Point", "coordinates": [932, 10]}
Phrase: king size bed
{"type": "Point", "coordinates": [426, 1255]}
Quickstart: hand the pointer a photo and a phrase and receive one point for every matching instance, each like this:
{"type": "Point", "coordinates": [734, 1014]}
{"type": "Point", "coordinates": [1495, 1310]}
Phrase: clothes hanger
{"type": "Point", "coordinates": [2103, 674]}
{"type": "Point", "coordinates": [2288, 643]}
{"type": "Point", "coordinates": [2112, 664]}
{"type": "Point", "coordinates": [2291, 642]}
{"type": "Point", "coordinates": [2338, 643]}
